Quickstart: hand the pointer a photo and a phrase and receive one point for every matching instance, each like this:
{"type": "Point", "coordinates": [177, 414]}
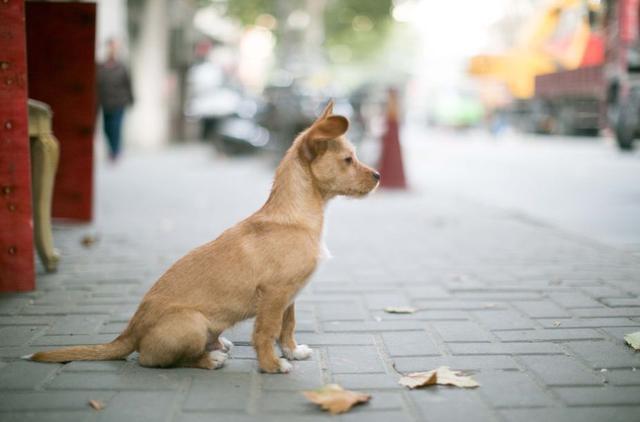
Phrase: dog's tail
{"type": "Point", "coordinates": [119, 348]}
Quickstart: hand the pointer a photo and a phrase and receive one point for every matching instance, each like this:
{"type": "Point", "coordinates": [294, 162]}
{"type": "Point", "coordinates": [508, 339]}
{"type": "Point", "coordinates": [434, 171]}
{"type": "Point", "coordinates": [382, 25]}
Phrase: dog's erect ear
{"type": "Point", "coordinates": [316, 140]}
{"type": "Point", "coordinates": [328, 111]}
{"type": "Point", "coordinates": [329, 128]}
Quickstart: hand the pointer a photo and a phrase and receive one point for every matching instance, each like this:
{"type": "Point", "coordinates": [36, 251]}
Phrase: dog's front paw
{"type": "Point", "coordinates": [278, 366]}
{"type": "Point", "coordinates": [285, 366]}
{"type": "Point", "coordinates": [301, 352]}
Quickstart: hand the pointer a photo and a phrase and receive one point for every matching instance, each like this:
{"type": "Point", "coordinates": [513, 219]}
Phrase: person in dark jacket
{"type": "Point", "coordinates": [114, 94]}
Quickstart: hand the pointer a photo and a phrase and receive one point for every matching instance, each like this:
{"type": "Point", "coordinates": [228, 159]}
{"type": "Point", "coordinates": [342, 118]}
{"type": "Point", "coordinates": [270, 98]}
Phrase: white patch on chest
{"type": "Point", "coordinates": [323, 251]}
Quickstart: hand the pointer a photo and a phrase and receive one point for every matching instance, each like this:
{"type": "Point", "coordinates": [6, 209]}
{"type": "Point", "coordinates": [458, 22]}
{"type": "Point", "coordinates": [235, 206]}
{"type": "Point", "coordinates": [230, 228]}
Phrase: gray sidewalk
{"type": "Point", "coordinates": [535, 314]}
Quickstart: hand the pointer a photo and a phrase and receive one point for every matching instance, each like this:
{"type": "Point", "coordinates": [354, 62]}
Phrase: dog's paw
{"type": "Point", "coordinates": [219, 358]}
{"type": "Point", "coordinates": [301, 352]}
{"type": "Point", "coordinates": [285, 366]}
{"type": "Point", "coordinates": [227, 344]}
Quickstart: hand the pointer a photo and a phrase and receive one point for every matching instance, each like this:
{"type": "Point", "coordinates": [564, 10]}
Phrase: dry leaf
{"type": "Point", "coordinates": [443, 376]}
{"type": "Point", "coordinates": [96, 404]}
{"type": "Point", "coordinates": [399, 310]}
{"type": "Point", "coordinates": [557, 323]}
{"type": "Point", "coordinates": [633, 340]}
{"type": "Point", "coordinates": [335, 399]}
{"type": "Point", "coordinates": [88, 240]}
{"type": "Point", "coordinates": [419, 379]}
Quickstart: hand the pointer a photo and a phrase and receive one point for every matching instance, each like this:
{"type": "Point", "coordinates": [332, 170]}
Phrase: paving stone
{"type": "Point", "coordinates": [347, 311]}
{"type": "Point", "coordinates": [562, 370]}
{"type": "Point", "coordinates": [354, 359]}
{"type": "Point", "coordinates": [84, 415]}
{"type": "Point", "coordinates": [124, 380]}
{"type": "Point", "coordinates": [461, 331]}
{"type": "Point", "coordinates": [604, 354]}
{"type": "Point", "coordinates": [623, 376]}
{"type": "Point", "coordinates": [305, 375]}
{"type": "Point", "coordinates": [559, 334]}
{"type": "Point", "coordinates": [448, 404]}
{"type": "Point", "coordinates": [503, 320]}
{"type": "Point", "coordinates": [588, 322]}
{"type": "Point", "coordinates": [220, 391]}
{"type": "Point", "coordinates": [72, 340]}
{"type": "Point", "coordinates": [361, 415]}
{"type": "Point", "coordinates": [383, 300]}
{"type": "Point", "coordinates": [373, 326]}
{"type": "Point", "coordinates": [333, 339]}
{"type": "Point", "coordinates": [582, 414]}
{"type": "Point", "coordinates": [18, 336]}
{"type": "Point", "coordinates": [574, 299]}
{"type": "Point", "coordinates": [541, 309]}
{"type": "Point", "coordinates": [454, 362]}
{"type": "Point", "coordinates": [621, 301]}
{"type": "Point", "coordinates": [139, 406]}
{"type": "Point", "coordinates": [607, 312]}
{"type": "Point", "coordinates": [76, 324]}
{"type": "Point", "coordinates": [94, 366]}
{"type": "Point", "coordinates": [504, 349]}
{"type": "Point", "coordinates": [410, 343]}
{"type": "Point", "coordinates": [367, 381]}
{"type": "Point", "coordinates": [23, 375]}
{"type": "Point", "coordinates": [512, 389]}
{"type": "Point", "coordinates": [50, 400]}
{"type": "Point", "coordinates": [594, 396]}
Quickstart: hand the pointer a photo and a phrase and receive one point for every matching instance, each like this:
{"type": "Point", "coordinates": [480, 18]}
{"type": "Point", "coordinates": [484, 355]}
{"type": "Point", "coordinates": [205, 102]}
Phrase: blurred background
{"type": "Point", "coordinates": [224, 70]}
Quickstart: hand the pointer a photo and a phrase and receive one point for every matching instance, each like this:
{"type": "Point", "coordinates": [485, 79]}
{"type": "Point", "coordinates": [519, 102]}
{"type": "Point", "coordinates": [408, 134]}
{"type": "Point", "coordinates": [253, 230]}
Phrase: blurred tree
{"type": "Point", "coordinates": [354, 29]}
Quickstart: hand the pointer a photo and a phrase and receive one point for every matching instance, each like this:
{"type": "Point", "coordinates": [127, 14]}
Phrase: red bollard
{"type": "Point", "coordinates": [391, 167]}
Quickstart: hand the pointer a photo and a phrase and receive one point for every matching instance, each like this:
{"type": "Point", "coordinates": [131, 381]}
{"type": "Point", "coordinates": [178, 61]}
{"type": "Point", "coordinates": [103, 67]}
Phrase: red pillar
{"type": "Point", "coordinates": [16, 223]}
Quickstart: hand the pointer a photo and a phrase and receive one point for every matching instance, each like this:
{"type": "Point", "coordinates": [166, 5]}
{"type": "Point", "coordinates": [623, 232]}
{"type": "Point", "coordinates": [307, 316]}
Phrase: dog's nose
{"type": "Point", "coordinates": [376, 175]}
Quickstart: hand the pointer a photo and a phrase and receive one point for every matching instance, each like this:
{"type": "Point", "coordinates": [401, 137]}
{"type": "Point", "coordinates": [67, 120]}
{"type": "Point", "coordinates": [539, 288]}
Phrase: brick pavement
{"type": "Point", "coordinates": [535, 314]}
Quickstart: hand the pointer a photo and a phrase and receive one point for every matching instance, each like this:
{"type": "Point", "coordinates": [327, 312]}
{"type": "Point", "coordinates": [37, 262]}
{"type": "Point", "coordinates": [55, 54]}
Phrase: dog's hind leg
{"type": "Point", "coordinates": [176, 338]}
{"type": "Point", "coordinates": [290, 349]}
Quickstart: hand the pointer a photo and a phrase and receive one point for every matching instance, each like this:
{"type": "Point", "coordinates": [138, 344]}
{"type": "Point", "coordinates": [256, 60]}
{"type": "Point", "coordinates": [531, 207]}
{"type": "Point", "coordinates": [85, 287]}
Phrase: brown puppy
{"type": "Point", "coordinates": [255, 268]}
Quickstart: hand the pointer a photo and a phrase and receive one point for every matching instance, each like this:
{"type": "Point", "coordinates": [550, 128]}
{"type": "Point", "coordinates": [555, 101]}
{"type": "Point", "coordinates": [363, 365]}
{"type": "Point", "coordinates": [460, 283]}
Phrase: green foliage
{"type": "Point", "coordinates": [341, 24]}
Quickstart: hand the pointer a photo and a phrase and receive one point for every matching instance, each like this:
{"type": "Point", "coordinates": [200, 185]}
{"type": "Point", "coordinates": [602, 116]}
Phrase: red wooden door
{"type": "Point", "coordinates": [16, 223]}
{"type": "Point", "coordinates": [62, 72]}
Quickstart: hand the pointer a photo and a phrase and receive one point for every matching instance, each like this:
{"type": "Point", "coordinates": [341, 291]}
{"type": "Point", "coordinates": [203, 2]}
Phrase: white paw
{"type": "Point", "coordinates": [301, 352]}
{"type": "Point", "coordinates": [27, 357]}
{"type": "Point", "coordinates": [285, 366]}
{"type": "Point", "coordinates": [227, 344]}
{"type": "Point", "coordinates": [219, 358]}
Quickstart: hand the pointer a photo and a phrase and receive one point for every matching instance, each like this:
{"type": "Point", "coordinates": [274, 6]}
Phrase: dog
{"type": "Point", "coordinates": [254, 269]}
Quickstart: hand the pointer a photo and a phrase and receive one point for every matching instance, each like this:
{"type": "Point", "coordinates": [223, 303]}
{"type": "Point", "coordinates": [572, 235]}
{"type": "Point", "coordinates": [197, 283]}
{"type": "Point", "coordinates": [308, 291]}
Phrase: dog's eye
{"type": "Point", "coordinates": [348, 160]}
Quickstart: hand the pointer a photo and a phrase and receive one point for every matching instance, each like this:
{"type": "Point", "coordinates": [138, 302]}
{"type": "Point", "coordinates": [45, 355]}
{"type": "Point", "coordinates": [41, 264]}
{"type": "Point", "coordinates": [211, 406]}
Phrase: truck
{"type": "Point", "coordinates": [577, 72]}
{"type": "Point", "coordinates": [590, 98]}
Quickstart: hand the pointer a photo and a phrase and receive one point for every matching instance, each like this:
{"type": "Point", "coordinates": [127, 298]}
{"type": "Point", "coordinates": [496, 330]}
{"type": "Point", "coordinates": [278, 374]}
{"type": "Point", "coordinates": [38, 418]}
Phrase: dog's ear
{"type": "Point", "coordinates": [328, 111]}
{"type": "Point", "coordinates": [329, 128]}
{"type": "Point", "coordinates": [316, 140]}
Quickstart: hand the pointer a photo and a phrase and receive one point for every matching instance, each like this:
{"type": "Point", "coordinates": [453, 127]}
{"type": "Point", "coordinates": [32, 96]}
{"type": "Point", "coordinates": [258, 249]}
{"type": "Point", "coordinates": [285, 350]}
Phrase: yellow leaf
{"type": "Point", "coordinates": [335, 399]}
{"type": "Point", "coordinates": [96, 404]}
{"type": "Point", "coordinates": [419, 379]}
{"type": "Point", "coordinates": [443, 376]}
{"type": "Point", "coordinates": [399, 310]}
{"type": "Point", "coordinates": [633, 340]}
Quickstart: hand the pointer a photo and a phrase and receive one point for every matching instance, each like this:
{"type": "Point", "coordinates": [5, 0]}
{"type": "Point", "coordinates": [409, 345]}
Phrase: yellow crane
{"type": "Point", "coordinates": [555, 39]}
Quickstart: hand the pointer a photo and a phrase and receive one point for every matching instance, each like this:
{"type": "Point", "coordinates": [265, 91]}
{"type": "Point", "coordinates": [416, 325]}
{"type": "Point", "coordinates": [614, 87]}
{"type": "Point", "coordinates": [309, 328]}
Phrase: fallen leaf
{"type": "Point", "coordinates": [399, 310]}
{"type": "Point", "coordinates": [419, 379]}
{"type": "Point", "coordinates": [633, 340]}
{"type": "Point", "coordinates": [335, 399]}
{"type": "Point", "coordinates": [96, 404]}
{"type": "Point", "coordinates": [442, 375]}
{"type": "Point", "coordinates": [557, 323]}
{"type": "Point", "coordinates": [88, 240]}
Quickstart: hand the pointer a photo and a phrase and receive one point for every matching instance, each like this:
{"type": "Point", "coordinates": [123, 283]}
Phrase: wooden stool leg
{"type": "Point", "coordinates": [44, 163]}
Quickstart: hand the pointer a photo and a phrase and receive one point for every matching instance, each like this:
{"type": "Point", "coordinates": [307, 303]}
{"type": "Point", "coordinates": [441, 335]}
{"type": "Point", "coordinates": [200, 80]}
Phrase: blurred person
{"type": "Point", "coordinates": [114, 95]}
{"type": "Point", "coordinates": [209, 97]}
